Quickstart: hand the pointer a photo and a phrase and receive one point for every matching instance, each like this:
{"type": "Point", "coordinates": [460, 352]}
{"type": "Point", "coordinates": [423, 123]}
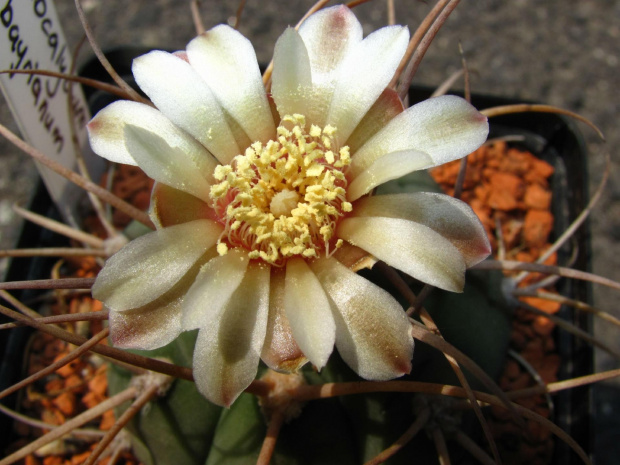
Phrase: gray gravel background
{"type": "Point", "coordinates": [560, 52]}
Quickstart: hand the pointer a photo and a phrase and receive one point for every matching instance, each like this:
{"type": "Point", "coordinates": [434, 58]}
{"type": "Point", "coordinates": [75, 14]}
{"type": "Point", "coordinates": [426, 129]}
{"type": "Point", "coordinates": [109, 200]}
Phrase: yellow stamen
{"type": "Point", "coordinates": [283, 198]}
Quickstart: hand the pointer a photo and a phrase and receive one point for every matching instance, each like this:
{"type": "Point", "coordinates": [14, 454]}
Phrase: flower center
{"type": "Point", "coordinates": [284, 202]}
{"type": "Point", "coordinates": [283, 198]}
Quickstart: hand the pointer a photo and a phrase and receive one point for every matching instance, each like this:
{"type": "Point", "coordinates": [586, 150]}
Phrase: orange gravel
{"type": "Point", "coordinates": [509, 188]}
{"type": "Point", "coordinates": [82, 384]}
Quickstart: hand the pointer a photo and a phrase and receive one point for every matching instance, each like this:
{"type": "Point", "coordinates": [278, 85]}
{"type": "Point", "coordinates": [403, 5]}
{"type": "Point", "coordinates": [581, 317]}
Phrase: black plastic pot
{"type": "Point", "coordinates": [13, 342]}
{"type": "Point", "coordinates": [556, 140]}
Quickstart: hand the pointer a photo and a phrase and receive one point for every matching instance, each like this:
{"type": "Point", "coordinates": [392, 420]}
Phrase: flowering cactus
{"type": "Point", "coordinates": [261, 202]}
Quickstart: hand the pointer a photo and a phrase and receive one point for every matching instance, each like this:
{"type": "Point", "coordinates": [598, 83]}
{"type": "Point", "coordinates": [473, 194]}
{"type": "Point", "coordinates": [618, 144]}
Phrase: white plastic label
{"type": "Point", "coordinates": [31, 38]}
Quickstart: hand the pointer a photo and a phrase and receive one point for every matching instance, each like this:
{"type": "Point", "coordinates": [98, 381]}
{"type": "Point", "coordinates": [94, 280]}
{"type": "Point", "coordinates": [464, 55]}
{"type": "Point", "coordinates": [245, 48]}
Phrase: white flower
{"type": "Point", "coordinates": [255, 192]}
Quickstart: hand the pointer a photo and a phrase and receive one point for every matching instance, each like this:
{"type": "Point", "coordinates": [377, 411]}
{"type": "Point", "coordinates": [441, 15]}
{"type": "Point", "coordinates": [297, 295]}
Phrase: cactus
{"type": "Point", "coordinates": [183, 426]}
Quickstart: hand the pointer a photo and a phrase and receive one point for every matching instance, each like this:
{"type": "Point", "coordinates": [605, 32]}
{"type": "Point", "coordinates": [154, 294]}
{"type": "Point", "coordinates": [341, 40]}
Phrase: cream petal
{"type": "Point", "coordinates": [411, 247]}
{"type": "Point", "coordinates": [354, 258]}
{"type": "Point", "coordinates": [446, 128]}
{"type": "Point", "coordinates": [228, 348]}
{"type": "Point", "coordinates": [180, 166]}
{"type": "Point", "coordinates": [373, 333]}
{"type": "Point", "coordinates": [309, 312]}
{"type": "Point", "coordinates": [391, 166]}
{"type": "Point", "coordinates": [329, 35]}
{"type": "Point", "coordinates": [185, 98]}
{"type": "Point", "coordinates": [451, 218]}
{"type": "Point", "coordinates": [106, 130]}
{"type": "Point", "coordinates": [227, 62]}
{"type": "Point", "coordinates": [216, 282]}
{"type": "Point", "coordinates": [147, 328]}
{"type": "Point", "coordinates": [157, 323]}
{"type": "Point", "coordinates": [182, 54]}
{"type": "Point", "coordinates": [291, 78]}
{"type": "Point", "coordinates": [152, 264]}
{"type": "Point", "coordinates": [170, 206]}
{"type": "Point", "coordinates": [387, 106]}
{"type": "Point", "coordinates": [363, 76]}
{"type": "Point", "coordinates": [280, 352]}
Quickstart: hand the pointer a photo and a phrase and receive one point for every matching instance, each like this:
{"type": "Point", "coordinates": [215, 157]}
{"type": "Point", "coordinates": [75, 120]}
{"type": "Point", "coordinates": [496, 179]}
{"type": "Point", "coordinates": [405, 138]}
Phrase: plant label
{"type": "Point", "coordinates": [48, 110]}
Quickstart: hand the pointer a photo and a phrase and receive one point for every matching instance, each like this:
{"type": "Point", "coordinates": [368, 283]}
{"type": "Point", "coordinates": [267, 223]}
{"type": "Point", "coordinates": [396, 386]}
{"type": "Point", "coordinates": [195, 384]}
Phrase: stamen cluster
{"type": "Point", "coordinates": [283, 198]}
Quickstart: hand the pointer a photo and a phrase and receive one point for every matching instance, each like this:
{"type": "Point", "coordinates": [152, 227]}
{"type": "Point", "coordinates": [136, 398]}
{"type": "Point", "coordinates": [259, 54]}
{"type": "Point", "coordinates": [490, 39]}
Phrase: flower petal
{"type": "Point", "coordinates": [180, 166]}
{"type": "Point", "coordinates": [309, 312]}
{"type": "Point", "coordinates": [152, 264]}
{"type": "Point", "coordinates": [411, 247]}
{"type": "Point", "coordinates": [391, 166]}
{"type": "Point", "coordinates": [106, 129]}
{"type": "Point", "coordinates": [157, 323]}
{"type": "Point", "coordinates": [446, 128]}
{"type": "Point", "coordinates": [451, 218]}
{"type": "Point", "coordinates": [228, 348]}
{"type": "Point", "coordinates": [363, 76]}
{"type": "Point", "coordinates": [329, 35]}
{"type": "Point", "coordinates": [185, 98]}
{"type": "Point", "coordinates": [373, 333]}
{"type": "Point", "coordinates": [280, 352]}
{"type": "Point", "coordinates": [227, 62]}
{"type": "Point", "coordinates": [147, 328]}
{"type": "Point", "coordinates": [216, 282]}
{"type": "Point", "coordinates": [387, 106]}
{"type": "Point", "coordinates": [354, 258]}
{"type": "Point", "coordinates": [291, 78]}
{"type": "Point", "coordinates": [170, 206]}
